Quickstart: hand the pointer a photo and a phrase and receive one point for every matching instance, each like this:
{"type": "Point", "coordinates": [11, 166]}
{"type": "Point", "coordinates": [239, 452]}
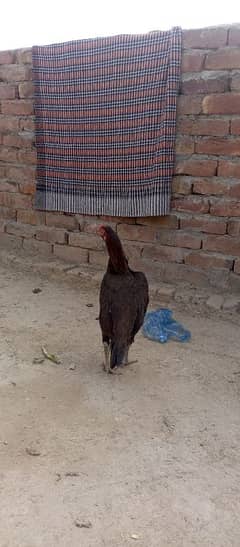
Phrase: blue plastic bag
{"type": "Point", "coordinates": [160, 326]}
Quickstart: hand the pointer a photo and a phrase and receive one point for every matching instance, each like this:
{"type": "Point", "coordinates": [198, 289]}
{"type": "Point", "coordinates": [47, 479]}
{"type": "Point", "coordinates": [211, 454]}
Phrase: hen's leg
{"type": "Point", "coordinates": [107, 358]}
{"type": "Point", "coordinates": [106, 349]}
{"type": "Point", "coordinates": [125, 360]}
{"type": "Point", "coordinates": [117, 370]}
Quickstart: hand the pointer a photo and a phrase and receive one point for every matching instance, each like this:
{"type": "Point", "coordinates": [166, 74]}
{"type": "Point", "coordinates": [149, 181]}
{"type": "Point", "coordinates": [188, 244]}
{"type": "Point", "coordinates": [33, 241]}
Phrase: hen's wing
{"type": "Point", "coordinates": [105, 315]}
{"type": "Point", "coordinates": [123, 303]}
{"type": "Point", "coordinates": [141, 301]}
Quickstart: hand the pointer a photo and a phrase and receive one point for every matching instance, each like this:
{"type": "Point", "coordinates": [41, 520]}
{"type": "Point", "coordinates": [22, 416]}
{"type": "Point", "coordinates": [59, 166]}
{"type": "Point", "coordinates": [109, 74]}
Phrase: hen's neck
{"type": "Point", "coordinates": [117, 261]}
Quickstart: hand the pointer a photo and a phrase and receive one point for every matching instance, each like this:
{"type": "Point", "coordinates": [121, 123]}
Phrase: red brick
{"type": "Point", "coordinates": [192, 104]}
{"type": "Point", "coordinates": [235, 126]}
{"type": "Point", "coordinates": [14, 73]}
{"type": "Point", "coordinates": [136, 233]}
{"type": "Point", "coordinates": [192, 61]}
{"type": "Point", "coordinates": [233, 227]}
{"type": "Point", "coordinates": [204, 223]}
{"type": "Point", "coordinates": [222, 103]}
{"type": "Point", "coordinates": [163, 253]}
{"type": "Point", "coordinates": [10, 242]}
{"type": "Point", "coordinates": [3, 224]}
{"type": "Point", "coordinates": [27, 156]}
{"type": "Point", "coordinates": [234, 190]}
{"type": "Point", "coordinates": [52, 235]}
{"type": "Point", "coordinates": [223, 244]}
{"type": "Point", "coordinates": [15, 201]}
{"type": "Point", "coordinates": [86, 241]}
{"type": "Point", "coordinates": [179, 238]}
{"type": "Point", "coordinates": [227, 168]}
{"type": "Point", "coordinates": [90, 220]}
{"type": "Point", "coordinates": [21, 174]}
{"type": "Point", "coordinates": [234, 36]}
{"type": "Point", "coordinates": [7, 213]}
{"type": "Point", "coordinates": [37, 247]}
{"type": "Point", "coordinates": [98, 258]}
{"type": "Point", "coordinates": [226, 58]}
{"type": "Point", "coordinates": [8, 154]}
{"type": "Point", "coordinates": [225, 208]}
{"type": "Point", "coordinates": [218, 277]}
{"type": "Point", "coordinates": [61, 221]}
{"type": "Point", "coordinates": [203, 126]}
{"type": "Point", "coordinates": [233, 282]}
{"type": "Point", "coordinates": [27, 188]}
{"type": "Point", "coordinates": [18, 141]}
{"type": "Point", "coordinates": [89, 223]}
{"type": "Point", "coordinates": [182, 185]}
{"type": "Point", "coordinates": [210, 186]}
{"type": "Point", "coordinates": [26, 90]}
{"type": "Point", "coordinates": [237, 266]}
{"type": "Point", "coordinates": [71, 254]}
{"type": "Point", "coordinates": [18, 107]}
{"type": "Point", "coordinates": [31, 217]}
{"type": "Point", "coordinates": [192, 204]}
{"type": "Point", "coordinates": [206, 38]}
{"type": "Point", "coordinates": [27, 124]}
{"type": "Point", "coordinates": [89, 228]}
{"type": "Point", "coordinates": [133, 251]}
{"type": "Point", "coordinates": [184, 145]}
{"type": "Point", "coordinates": [204, 83]}
{"type": "Point", "coordinates": [24, 56]}
{"type": "Point", "coordinates": [117, 220]}
{"type": "Point", "coordinates": [2, 171]}
{"type": "Point", "coordinates": [196, 167]}
{"type": "Point", "coordinates": [7, 91]}
{"type": "Point", "coordinates": [153, 269]}
{"type": "Point", "coordinates": [218, 145]}
{"type": "Point", "coordinates": [9, 123]}
{"type": "Point", "coordinates": [7, 57]}
{"type": "Point", "coordinates": [21, 230]}
{"type": "Point", "coordinates": [168, 221]}
{"type": "Point", "coordinates": [188, 274]}
{"type": "Point", "coordinates": [6, 186]}
{"type": "Point", "coordinates": [235, 81]}
{"type": "Point", "coordinates": [208, 261]}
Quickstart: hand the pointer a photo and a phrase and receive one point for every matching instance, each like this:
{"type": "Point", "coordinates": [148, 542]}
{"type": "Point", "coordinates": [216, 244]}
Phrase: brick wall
{"type": "Point", "coordinates": [199, 241]}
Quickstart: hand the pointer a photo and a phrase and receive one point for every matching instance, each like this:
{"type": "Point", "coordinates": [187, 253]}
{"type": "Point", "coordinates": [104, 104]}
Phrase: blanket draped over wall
{"type": "Point", "coordinates": [106, 122]}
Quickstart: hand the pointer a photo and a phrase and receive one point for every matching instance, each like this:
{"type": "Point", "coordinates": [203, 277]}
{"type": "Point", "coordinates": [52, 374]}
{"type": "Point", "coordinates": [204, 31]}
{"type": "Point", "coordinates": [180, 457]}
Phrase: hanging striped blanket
{"type": "Point", "coordinates": [105, 123]}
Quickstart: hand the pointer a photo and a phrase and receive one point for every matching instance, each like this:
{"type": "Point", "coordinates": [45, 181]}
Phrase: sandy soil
{"type": "Point", "coordinates": [149, 458]}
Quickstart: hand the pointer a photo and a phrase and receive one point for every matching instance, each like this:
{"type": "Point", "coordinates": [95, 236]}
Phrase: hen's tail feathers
{"type": "Point", "coordinates": [118, 350]}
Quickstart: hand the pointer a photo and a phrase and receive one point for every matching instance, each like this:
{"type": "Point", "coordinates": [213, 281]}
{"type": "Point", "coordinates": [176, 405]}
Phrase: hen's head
{"type": "Point", "coordinates": [118, 262]}
{"type": "Point", "coordinates": [106, 233]}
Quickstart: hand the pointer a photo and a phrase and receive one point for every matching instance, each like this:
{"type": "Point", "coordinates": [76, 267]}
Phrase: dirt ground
{"type": "Point", "coordinates": [149, 458]}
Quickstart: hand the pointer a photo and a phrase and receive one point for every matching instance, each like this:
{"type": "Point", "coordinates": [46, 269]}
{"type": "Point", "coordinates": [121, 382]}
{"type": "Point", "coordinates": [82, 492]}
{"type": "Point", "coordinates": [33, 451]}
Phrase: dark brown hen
{"type": "Point", "coordinates": [123, 302]}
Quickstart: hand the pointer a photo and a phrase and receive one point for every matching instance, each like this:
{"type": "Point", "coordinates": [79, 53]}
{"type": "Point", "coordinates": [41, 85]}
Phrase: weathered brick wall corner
{"type": "Point", "coordinates": [199, 241]}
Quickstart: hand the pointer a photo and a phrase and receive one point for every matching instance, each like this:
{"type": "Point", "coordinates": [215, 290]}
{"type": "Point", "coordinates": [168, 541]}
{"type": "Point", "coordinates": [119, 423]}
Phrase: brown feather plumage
{"type": "Point", "coordinates": [123, 300]}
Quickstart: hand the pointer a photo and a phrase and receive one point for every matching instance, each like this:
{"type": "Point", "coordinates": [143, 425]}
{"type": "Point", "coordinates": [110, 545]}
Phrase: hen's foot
{"type": "Point", "coordinates": [115, 371]}
{"type": "Point", "coordinates": [130, 363]}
